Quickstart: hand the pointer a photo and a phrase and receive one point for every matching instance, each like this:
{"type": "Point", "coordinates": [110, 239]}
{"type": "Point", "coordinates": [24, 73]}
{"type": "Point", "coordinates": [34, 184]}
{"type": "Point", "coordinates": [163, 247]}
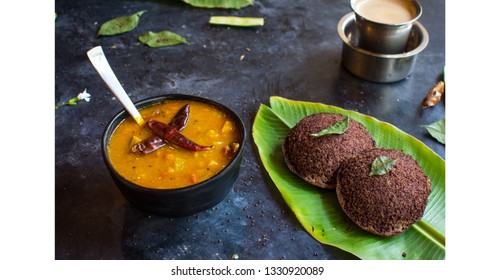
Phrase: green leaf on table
{"type": "Point", "coordinates": [120, 25]}
{"type": "Point", "coordinates": [224, 4]}
{"type": "Point", "coordinates": [338, 127]}
{"type": "Point", "coordinates": [162, 39]}
{"type": "Point", "coordinates": [437, 130]}
{"type": "Point", "coordinates": [382, 165]}
{"type": "Point", "coordinates": [319, 211]}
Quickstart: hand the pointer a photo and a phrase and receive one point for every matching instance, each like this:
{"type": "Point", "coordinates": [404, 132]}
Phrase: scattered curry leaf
{"type": "Point", "coordinates": [237, 21]}
{"type": "Point", "coordinates": [437, 130]}
{"type": "Point", "coordinates": [162, 39]}
{"type": "Point", "coordinates": [225, 4]}
{"type": "Point", "coordinates": [120, 25]}
{"type": "Point", "coordinates": [338, 127]}
{"type": "Point", "coordinates": [382, 165]}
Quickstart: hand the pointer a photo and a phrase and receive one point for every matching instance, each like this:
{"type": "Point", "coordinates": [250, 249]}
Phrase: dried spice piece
{"type": "Point", "coordinates": [437, 130]}
{"type": "Point", "coordinates": [152, 144]}
{"type": "Point", "coordinates": [169, 133]}
{"type": "Point", "coordinates": [382, 165]}
{"type": "Point", "coordinates": [148, 145]}
{"type": "Point", "coordinates": [237, 21]}
{"type": "Point", "coordinates": [181, 118]}
{"type": "Point", "coordinates": [225, 4]}
{"type": "Point", "coordinates": [162, 39]}
{"type": "Point", "coordinates": [120, 25]}
{"type": "Point", "coordinates": [434, 95]}
{"type": "Point", "coordinates": [337, 128]}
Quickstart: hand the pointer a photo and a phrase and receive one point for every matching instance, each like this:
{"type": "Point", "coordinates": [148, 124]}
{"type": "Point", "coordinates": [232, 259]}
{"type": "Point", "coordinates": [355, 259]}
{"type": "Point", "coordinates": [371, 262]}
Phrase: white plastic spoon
{"type": "Point", "coordinates": [98, 59]}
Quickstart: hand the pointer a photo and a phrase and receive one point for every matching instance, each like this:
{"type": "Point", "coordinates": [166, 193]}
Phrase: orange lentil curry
{"type": "Point", "coordinates": [171, 166]}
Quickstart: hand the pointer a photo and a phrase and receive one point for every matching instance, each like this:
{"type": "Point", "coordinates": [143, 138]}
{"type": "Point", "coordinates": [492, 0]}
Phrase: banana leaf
{"type": "Point", "coordinates": [318, 210]}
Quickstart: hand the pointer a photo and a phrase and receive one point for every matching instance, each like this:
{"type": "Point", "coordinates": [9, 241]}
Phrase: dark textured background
{"type": "Point", "coordinates": [296, 54]}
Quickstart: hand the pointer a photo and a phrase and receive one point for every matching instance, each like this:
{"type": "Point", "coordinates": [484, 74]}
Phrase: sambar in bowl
{"type": "Point", "coordinates": [184, 160]}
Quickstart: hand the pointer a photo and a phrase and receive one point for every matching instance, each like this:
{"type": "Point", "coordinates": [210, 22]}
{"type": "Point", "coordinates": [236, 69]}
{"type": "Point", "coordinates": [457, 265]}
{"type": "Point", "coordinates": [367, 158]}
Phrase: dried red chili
{"type": "Point", "coordinates": [153, 143]}
{"type": "Point", "coordinates": [171, 134]}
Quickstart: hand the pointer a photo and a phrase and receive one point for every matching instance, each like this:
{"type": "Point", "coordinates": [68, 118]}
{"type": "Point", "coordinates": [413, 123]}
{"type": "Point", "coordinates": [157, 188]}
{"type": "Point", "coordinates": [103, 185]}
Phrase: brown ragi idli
{"type": "Point", "coordinates": [383, 204]}
{"type": "Point", "coordinates": [316, 159]}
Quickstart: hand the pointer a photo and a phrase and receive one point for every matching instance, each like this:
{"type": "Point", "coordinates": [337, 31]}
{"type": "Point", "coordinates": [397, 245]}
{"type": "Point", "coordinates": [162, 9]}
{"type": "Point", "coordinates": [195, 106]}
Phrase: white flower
{"type": "Point", "coordinates": [73, 101]}
{"type": "Point", "coordinates": [84, 95]}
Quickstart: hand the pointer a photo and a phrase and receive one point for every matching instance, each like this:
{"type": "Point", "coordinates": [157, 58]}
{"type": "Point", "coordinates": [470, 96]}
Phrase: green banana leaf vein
{"type": "Point", "coordinates": [318, 210]}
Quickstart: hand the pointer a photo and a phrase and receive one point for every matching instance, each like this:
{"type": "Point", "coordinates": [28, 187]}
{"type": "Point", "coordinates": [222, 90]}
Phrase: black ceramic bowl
{"type": "Point", "coordinates": [183, 201]}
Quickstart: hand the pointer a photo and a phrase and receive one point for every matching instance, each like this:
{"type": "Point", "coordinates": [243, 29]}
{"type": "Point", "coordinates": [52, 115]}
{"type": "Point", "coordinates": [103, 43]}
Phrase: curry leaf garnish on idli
{"type": "Point", "coordinates": [337, 128]}
{"type": "Point", "coordinates": [382, 165]}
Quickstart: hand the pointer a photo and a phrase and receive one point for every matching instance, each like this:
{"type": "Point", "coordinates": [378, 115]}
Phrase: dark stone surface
{"type": "Point", "coordinates": [295, 55]}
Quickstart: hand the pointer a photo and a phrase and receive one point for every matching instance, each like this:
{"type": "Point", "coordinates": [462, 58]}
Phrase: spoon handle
{"type": "Point", "coordinates": [98, 59]}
